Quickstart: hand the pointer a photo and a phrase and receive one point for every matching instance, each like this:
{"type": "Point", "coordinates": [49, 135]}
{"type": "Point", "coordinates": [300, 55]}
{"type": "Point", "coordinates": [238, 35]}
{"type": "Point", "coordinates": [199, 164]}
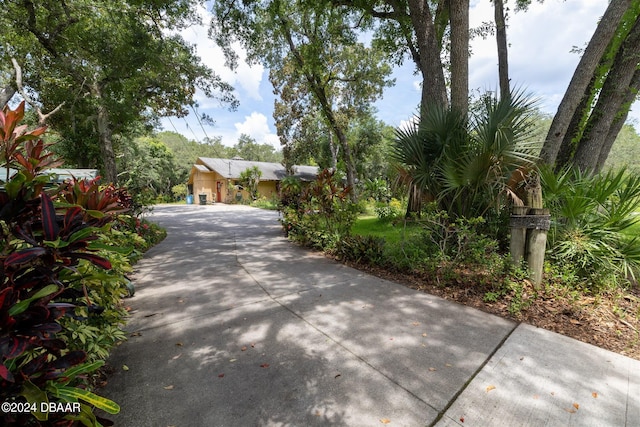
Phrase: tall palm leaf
{"type": "Point", "coordinates": [466, 165]}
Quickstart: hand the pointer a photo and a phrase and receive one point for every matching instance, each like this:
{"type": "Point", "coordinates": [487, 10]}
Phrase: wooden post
{"type": "Point", "coordinates": [537, 231]}
{"type": "Point", "coordinates": [518, 242]}
{"type": "Point", "coordinates": [537, 244]}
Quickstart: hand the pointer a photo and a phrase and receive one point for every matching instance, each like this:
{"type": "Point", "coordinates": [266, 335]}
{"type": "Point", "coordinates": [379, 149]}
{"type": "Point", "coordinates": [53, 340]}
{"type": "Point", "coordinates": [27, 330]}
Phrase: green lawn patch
{"type": "Point", "coordinates": [370, 225]}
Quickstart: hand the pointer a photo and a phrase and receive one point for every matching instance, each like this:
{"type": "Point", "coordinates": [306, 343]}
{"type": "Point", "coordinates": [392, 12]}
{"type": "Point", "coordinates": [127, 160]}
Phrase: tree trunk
{"type": "Point", "coordinates": [582, 76]}
{"type": "Point", "coordinates": [6, 93]}
{"type": "Point", "coordinates": [576, 125]}
{"type": "Point", "coordinates": [610, 101]}
{"type": "Point", "coordinates": [459, 18]}
{"type": "Point", "coordinates": [501, 41]}
{"type": "Point", "coordinates": [104, 135]}
{"type": "Point", "coordinates": [434, 91]}
{"type": "Point", "coordinates": [618, 122]}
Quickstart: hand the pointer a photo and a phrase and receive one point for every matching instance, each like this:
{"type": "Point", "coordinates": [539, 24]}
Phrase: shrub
{"type": "Point", "coordinates": [321, 214]}
{"type": "Point", "coordinates": [365, 249]}
{"type": "Point", "coordinates": [592, 216]}
{"type": "Point", "coordinates": [389, 211]}
{"type": "Point", "coordinates": [52, 266]}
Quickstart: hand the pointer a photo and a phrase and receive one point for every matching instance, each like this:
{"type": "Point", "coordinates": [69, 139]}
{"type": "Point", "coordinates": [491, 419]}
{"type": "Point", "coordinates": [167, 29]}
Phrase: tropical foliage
{"type": "Point", "coordinates": [63, 258]}
{"type": "Point", "coordinates": [319, 215]}
{"type": "Point", "coordinates": [592, 216]}
{"type": "Point", "coordinates": [469, 166]}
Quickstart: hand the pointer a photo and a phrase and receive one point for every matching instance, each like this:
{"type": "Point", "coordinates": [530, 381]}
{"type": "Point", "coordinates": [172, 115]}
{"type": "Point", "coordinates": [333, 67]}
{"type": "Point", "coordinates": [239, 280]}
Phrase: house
{"type": "Point", "coordinates": [217, 180]}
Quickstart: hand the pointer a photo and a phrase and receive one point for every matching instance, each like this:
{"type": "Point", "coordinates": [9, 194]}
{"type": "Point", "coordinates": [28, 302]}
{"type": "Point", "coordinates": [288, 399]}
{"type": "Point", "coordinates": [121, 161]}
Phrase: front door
{"type": "Point", "coordinates": [218, 191]}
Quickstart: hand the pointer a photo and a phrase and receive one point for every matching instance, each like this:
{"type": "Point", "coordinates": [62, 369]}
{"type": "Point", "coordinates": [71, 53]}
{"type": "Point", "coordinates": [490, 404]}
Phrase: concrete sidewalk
{"type": "Point", "coordinates": [232, 325]}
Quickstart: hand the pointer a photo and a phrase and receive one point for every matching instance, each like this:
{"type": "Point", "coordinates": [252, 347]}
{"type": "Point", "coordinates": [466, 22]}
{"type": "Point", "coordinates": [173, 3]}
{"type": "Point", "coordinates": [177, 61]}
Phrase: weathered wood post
{"type": "Point", "coordinates": [537, 230]}
{"type": "Point", "coordinates": [518, 242]}
{"type": "Point", "coordinates": [537, 243]}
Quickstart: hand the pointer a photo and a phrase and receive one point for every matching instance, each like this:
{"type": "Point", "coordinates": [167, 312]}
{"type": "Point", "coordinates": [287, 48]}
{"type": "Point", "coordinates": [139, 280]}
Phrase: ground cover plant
{"type": "Point", "coordinates": [62, 279]}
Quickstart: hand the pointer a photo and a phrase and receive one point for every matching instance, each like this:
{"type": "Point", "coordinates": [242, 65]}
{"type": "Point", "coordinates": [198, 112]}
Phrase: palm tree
{"type": "Point", "coordinates": [465, 165]}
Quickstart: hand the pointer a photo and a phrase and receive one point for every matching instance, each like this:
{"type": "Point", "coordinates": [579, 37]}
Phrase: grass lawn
{"type": "Point", "coordinates": [370, 225]}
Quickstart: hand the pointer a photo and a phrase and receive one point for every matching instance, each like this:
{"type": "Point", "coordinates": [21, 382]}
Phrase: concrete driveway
{"type": "Point", "coordinates": [232, 325]}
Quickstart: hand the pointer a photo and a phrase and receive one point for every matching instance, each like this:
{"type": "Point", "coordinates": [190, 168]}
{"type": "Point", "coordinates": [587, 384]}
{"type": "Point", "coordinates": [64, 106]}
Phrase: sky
{"type": "Point", "coordinates": [540, 62]}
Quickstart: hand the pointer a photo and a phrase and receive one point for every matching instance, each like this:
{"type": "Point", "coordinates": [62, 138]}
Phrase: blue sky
{"type": "Point", "coordinates": [540, 61]}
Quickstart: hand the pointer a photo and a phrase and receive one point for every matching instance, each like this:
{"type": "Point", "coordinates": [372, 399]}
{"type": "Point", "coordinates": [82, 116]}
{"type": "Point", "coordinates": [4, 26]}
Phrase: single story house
{"type": "Point", "coordinates": [217, 180]}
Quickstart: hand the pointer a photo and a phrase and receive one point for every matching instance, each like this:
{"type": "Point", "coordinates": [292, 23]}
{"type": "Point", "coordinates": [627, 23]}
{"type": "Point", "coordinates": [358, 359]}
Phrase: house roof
{"type": "Point", "coordinates": [57, 174]}
{"type": "Point", "coordinates": [232, 168]}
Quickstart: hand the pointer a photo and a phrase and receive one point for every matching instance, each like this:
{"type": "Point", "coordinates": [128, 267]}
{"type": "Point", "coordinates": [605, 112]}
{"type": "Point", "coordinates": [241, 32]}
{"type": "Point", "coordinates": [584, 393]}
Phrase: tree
{"type": "Point", "coordinates": [617, 93]}
{"type": "Point", "coordinates": [249, 149]}
{"type": "Point", "coordinates": [314, 57]}
{"type": "Point", "coordinates": [116, 64]}
{"type": "Point", "coordinates": [574, 104]}
{"type": "Point", "coordinates": [249, 179]}
{"type": "Point", "coordinates": [467, 165]}
{"type": "Point", "coordinates": [503, 51]}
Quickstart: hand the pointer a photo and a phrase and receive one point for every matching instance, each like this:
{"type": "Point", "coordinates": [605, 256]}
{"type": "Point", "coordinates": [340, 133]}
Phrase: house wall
{"type": "Point", "coordinates": [205, 183]}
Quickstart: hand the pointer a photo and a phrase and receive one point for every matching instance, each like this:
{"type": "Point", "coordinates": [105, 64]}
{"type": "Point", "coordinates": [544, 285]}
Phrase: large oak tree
{"type": "Point", "coordinates": [117, 65]}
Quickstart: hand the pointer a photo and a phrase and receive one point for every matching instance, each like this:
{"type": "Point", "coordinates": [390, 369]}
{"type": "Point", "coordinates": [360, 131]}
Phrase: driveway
{"type": "Point", "coordinates": [232, 325]}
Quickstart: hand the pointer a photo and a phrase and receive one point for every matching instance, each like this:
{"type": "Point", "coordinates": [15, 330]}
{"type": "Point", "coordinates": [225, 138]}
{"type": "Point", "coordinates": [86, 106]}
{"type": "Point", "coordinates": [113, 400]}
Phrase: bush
{"type": "Point", "coordinates": [321, 214]}
{"type": "Point", "coordinates": [592, 218]}
{"type": "Point", "coordinates": [56, 283]}
{"type": "Point", "coordinates": [365, 249]}
{"type": "Point", "coordinates": [389, 211]}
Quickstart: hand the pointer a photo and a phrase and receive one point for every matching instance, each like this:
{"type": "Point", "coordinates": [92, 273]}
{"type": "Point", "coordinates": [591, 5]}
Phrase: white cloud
{"type": "Point", "coordinates": [256, 126]}
{"type": "Point", "coordinates": [245, 78]}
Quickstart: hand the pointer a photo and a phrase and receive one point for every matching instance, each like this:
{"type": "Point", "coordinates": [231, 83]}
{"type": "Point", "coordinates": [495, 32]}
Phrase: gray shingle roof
{"type": "Point", "coordinates": [231, 168]}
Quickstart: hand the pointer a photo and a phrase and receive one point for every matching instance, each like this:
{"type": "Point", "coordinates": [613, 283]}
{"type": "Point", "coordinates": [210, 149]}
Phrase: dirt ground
{"type": "Point", "coordinates": [610, 321]}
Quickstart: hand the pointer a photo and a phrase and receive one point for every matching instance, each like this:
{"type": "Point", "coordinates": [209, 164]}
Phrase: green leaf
{"type": "Point", "coordinates": [34, 394]}
{"type": "Point", "coordinates": [82, 234]}
{"type": "Point", "coordinates": [99, 402]}
{"type": "Point", "coordinates": [123, 250]}
{"type": "Point", "coordinates": [24, 304]}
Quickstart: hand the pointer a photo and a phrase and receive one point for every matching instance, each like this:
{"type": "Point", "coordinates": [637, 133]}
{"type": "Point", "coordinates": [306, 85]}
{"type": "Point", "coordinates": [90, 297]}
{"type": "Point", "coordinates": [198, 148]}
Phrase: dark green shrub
{"type": "Point", "coordinates": [365, 249]}
{"type": "Point", "coordinates": [592, 219]}
{"type": "Point", "coordinates": [51, 261]}
{"type": "Point", "coordinates": [321, 214]}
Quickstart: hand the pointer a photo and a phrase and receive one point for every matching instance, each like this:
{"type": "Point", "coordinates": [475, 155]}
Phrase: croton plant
{"type": "Point", "coordinates": [46, 232]}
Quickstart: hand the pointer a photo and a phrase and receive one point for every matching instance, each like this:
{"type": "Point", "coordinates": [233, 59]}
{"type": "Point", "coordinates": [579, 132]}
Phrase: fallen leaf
{"type": "Point", "coordinates": [179, 344]}
{"type": "Point", "coordinates": [136, 334]}
{"type": "Point", "coordinates": [125, 368]}
{"type": "Point", "coordinates": [448, 365]}
{"type": "Point", "coordinates": [244, 348]}
{"type": "Point", "coordinates": [180, 300]}
{"type": "Point", "coordinates": [318, 413]}
{"type": "Point", "coordinates": [232, 360]}
{"type": "Point", "coordinates": [253, 345]}
{"type": "Point", "coordinates": [385, 420]}
{"type": "Point", "coordinates": [575, 405]}
{"type": "Point", "coordinates": [575, 322]}
{"type": "Point", "coordinates": [595, 395]}
{"type": "Point", "coordinates": [176, 357]}
{"type": "Point", "coordinates": [169, 387]}
{"type": "Point", "coordinates": [491, 387]}
{"type": "Point", "coordinates": [424, 335]}
{"type": "Point", "coordinates": [432, 369]}
{"type": "Point", "coordinates": [264, 365]}
{"type": "Point", "coordinates": [461, 419]}
{"type": "Point", "coordinates": [339, 375]}
{"type": "Point", "coordinates": [570, 410]}
{"type": "Point", "coordinates": [220, 375]}
{"type": "Point", "coordinates": [416, 323]}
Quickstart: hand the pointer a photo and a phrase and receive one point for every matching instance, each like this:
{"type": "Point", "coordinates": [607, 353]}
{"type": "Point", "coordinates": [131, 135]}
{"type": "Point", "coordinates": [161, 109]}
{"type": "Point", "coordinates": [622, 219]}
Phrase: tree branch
{"type": "Point", "coordinates": [42, 118]}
